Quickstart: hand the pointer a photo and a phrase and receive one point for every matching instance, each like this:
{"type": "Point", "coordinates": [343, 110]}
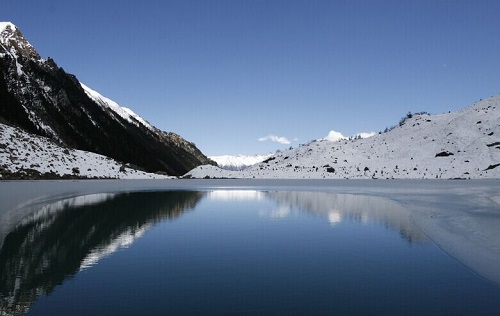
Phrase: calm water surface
{"type": "Point", "coordinates": [232, 252]}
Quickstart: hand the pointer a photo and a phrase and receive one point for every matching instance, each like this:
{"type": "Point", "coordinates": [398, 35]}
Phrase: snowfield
{"type": "Point", "coordinates": [27, 156]}
{"type": "Point", "coordinates": [463, 144]}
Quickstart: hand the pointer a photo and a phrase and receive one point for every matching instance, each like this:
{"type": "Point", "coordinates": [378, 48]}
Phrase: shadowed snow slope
{"type": "Point", "coordinates": [463, 144]}
{"type": "Point", "coordinates": [27, 156]}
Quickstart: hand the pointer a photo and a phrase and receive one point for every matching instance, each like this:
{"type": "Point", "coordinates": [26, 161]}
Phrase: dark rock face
{"type": "Point", "coordinates": [490, 167]}
{"type": "Point", "coordinates": [43, 99]}
{"type": "Point", "coordinates": [444, 154]}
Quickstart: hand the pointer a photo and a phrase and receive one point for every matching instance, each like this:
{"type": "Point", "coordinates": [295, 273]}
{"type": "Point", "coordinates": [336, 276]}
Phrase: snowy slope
{"type": "Point", "coordinates": [123, 112]}
{"type": "Point", "coordinates": [238, 162]}
{"type": "Point", "coordinates": [463, 144]}
{"type": "Point", "coordinates": [24, 155]}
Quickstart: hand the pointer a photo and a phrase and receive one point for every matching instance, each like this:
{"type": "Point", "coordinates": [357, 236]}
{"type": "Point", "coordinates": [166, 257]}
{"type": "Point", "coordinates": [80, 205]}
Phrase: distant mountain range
{"type": "Point", "coordinates": [238, 162]}
{"type": "Point", "coordinates": [42, 99]}
{"type": "Point", "coordinates": [462, 145]}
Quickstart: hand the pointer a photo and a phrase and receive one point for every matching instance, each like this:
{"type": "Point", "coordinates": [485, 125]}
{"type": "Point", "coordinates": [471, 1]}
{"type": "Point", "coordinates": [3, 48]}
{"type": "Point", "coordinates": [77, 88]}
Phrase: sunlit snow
{"type": "Point", "coordinates": [463, 144]}
{"type": "Point", "coordinates": [123, 112]}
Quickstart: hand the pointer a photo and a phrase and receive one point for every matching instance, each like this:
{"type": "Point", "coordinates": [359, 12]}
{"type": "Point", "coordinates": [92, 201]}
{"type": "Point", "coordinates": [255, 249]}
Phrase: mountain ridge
{"type": "Point", "coordinates": [238, 162]}
{"type": "Point", "coordinates": [41, 98]}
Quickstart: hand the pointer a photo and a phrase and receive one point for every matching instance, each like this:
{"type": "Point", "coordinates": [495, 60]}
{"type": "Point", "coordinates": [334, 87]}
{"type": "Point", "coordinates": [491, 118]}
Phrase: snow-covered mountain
{"type": "Point", "coordinates": [28, 156]}
{"type": "Point", "coordinates": [238, 162]}
{"type": "Point", "coordinates": [41, 98]}
{"type": "Point", "coordinates": [463, 144]}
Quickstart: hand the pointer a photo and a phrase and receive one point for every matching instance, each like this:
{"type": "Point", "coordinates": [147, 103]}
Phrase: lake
{"type": "Point", "coordinates": [230, 247]}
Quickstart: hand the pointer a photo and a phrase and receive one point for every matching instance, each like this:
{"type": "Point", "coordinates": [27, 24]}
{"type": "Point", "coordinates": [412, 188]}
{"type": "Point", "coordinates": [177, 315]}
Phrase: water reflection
{"type": "Point", "coordinates": [335, 217]}
{"type": "Point", "coordinates": [56, 242]}
{"type": "Point", "coordinates": [339, 207]}
{"type": "Point", "coordinates": [236, 195]}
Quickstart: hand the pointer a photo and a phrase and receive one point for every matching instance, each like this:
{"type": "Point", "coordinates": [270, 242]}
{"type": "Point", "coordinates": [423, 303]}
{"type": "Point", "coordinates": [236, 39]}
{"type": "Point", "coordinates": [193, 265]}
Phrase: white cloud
{"type": "Point", "coordinates": [334, 136]}
{"type": "Point", "coordinates": [274, 138]}
{"type": "Point", "coordinates": [365, 134]}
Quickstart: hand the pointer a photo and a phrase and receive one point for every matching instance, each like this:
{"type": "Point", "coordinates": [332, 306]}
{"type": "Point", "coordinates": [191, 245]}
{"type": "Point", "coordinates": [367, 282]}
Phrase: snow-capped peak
{"type": "Point", "coordinates": [13, 43]}
{"type": "Point", "coordinates": [238, 162]}
{"type": "Point", "coordinates": [123, 112]}
{"type": "Point", "coordinates": [5, 25]}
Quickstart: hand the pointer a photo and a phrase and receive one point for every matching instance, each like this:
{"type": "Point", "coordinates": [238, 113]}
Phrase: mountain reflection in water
{"type": "Point", "coordinates": [60, 239]}
{"type": "Point", "coordinates": [339, 207]}
{"type": "Point", "coordinates": [54, 243]}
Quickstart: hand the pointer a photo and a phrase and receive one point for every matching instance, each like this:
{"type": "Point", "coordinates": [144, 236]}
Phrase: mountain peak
{"type": "Point", "coordinates": [6, 26]}
{"type": "Point", "coordinates": [14, 43]}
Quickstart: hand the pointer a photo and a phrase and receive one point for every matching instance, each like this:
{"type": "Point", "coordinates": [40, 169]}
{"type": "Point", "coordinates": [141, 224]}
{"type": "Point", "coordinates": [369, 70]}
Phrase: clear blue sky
{"type": "Point", "coordinates": [225, 73]}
